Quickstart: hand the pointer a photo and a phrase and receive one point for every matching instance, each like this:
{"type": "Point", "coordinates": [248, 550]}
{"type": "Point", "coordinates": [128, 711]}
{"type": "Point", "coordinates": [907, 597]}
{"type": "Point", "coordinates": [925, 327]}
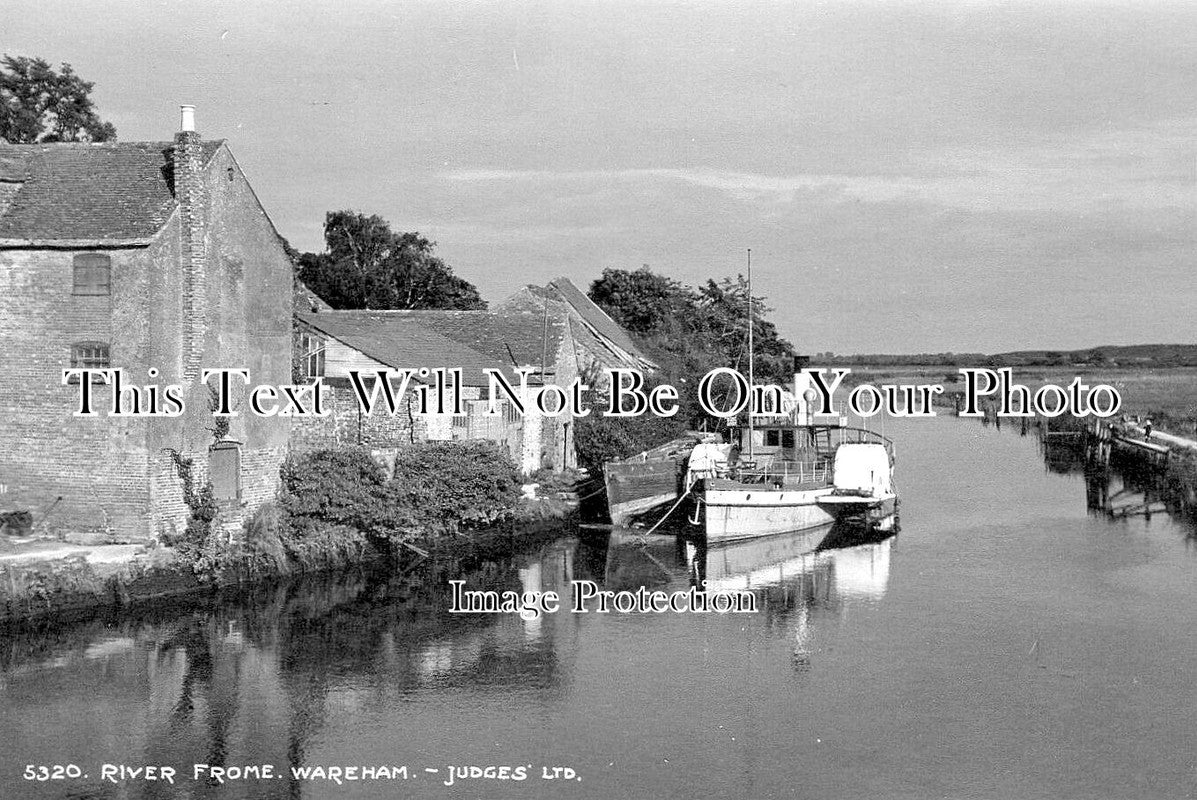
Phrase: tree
{"type": "Point", "coordinates": [38, 104]}
{"type": "Point", "coordinates": [367, 265]}
{"type": "Point", "coordinates": [691, 331]}
{"type": "Point", "coordinates": [642, 301]}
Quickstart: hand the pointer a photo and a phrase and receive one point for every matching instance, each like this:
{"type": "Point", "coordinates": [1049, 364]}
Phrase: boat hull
{"type": "Point", "coordinates": [634, 488]}
{"type": "Point", "coordinates": [861, 509]}
{"type": "Point", "coordinates": [733, 514]}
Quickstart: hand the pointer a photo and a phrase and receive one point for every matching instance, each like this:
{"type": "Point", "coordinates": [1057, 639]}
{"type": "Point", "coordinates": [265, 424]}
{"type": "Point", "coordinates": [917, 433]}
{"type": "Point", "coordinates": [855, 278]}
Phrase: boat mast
{"type": "Point", "coordinates": [751, 381]}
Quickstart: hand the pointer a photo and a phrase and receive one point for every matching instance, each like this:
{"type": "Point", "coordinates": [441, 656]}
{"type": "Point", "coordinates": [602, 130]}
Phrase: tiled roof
{"type": "Point", "coordinates": [401, 341]}
{"type": "Point", "coordinates": [594, 316]}
{"type": "Point", "coordinates": [511, 338]}
{"type": "Point", "coordinates": [520, 339]}
{"type": "Point", "coordinates": [593, 331]}
{"type": "Point", "coordinates": [113, 192]}
{"type": "Point", "coordinates": [306, 300]}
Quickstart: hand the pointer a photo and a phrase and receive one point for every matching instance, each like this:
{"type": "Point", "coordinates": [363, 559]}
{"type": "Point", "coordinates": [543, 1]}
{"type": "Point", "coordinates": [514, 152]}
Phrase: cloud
{"type": "Point", "coordinates": [1142, 169]}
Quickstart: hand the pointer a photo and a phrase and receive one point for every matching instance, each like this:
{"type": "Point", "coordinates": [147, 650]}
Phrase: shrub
{"type": "Point", "coordinates": [16, 522]}
{"type": "Point", "coordinates": [437, 487]}
{"type": "Point", "coordinates": [345, 487]}
{"type": "Point", "coordinates": [200, 545]}
{"type": "Point", "coordinates": [446, 485]}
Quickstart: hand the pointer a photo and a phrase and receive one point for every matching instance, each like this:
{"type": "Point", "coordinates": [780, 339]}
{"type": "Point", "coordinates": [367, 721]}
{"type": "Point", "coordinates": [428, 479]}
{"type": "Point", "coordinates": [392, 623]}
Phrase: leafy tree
{"type": "Point", "coordinates": [641, 301]}
{"type": "Point", "coordinates": [39, 104]}
{"type": "Point", "coordinates": [367, 265]}
{"type": "Point", "coordinates": [688, 331]}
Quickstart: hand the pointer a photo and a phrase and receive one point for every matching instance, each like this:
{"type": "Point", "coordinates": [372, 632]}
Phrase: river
{"type": "Point", "coordinates": [1007, 643]}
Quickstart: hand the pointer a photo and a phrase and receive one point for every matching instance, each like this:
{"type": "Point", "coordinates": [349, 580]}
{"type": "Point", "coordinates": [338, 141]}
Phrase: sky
{"type": "Point", "coordinates": [910, 176]}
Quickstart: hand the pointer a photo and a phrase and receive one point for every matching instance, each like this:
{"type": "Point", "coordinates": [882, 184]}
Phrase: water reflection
{"type": "Point", "coordinates": [258, 677]}
{"type": "Point", "coordinates": [1123, 487]}
{"type": "Point", "coordinates": [1002, 633]}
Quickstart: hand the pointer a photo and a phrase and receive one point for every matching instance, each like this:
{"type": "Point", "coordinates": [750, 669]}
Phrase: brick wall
{"type": "Point", "coordinates": [112, 473]}
{"type": "Point", "coordinates": [98, 466]}
{"type": "Point", "coordinates": [345, 425]}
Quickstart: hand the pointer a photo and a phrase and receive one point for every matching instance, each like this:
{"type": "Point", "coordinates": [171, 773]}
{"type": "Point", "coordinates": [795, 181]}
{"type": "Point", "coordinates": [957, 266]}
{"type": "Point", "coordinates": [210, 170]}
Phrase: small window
{"type": "Point", "coordinates": [313, 355]}
{"type": "Point", "coordinates": [93, 274]}
{"type": "Point", "coordinates": [787, 440]}
{"type": "Point", "coordinates": [90, 355]}
{"type": "Point", "coordinates": [772, 437]}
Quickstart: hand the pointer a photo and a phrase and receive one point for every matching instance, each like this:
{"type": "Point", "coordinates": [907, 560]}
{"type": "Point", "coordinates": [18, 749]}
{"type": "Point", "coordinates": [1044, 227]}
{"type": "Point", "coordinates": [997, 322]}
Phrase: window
{"type": "Point", "coordinates": [787, 440]}
{"type": "Point", "coordinates": [93, 274]}
{"type": "Point", "coordinates": [312, 355]}
{"type": "Point", "coordinates": [90, 355]}
{"type": "Point", "coordinates": [772, 437]}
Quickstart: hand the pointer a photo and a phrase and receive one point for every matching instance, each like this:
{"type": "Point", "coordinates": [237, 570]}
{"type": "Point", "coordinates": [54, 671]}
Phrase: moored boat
{"type": "Point", "coordinates": [799, 477]}
{"type": "Point", "coordinates": [649, 481]}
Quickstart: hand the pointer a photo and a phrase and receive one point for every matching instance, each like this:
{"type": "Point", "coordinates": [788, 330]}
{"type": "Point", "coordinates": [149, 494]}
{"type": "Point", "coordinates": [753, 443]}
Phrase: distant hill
{"type": "Point", "coordinates": [1136, 355]}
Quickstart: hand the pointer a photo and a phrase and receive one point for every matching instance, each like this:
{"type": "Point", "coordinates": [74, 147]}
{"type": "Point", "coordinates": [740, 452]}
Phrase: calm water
{"type": "Point", "coordinates": [1006, 644]}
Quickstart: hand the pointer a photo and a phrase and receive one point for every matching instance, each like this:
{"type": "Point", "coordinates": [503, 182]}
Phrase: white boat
{"type": "Point", "coordinates": [789, 469]}
{"type": "Point", "coordinates": [799, 477]}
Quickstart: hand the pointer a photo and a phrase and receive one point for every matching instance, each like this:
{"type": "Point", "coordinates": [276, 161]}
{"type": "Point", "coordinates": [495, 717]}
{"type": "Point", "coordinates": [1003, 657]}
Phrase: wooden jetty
{"type": "Point", "coordinates": [1133, 439]}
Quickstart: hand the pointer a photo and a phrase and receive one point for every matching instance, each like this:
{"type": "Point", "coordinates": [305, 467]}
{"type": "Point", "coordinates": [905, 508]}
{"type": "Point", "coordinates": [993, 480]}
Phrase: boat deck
{"type": "Point", "coordinates": [770, 486]}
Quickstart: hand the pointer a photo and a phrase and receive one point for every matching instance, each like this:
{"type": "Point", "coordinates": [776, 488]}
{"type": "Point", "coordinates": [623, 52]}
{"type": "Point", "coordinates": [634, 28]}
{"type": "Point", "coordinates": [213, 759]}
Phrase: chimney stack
{"type": "Point", "coordinates": [188, 165]}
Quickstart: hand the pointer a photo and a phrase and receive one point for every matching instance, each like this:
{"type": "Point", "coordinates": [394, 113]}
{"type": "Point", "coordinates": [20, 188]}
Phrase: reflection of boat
{"type": "Point", "coordinates": [754, 563]}
{"type": "Point", "coordinates": [791, 472]}
{"type": "Point", "coordinates": [633, 560]}
{"type": "Point", "coordinates": [863, 570]}
{"type": "Point", "coordinates": [856, 570]}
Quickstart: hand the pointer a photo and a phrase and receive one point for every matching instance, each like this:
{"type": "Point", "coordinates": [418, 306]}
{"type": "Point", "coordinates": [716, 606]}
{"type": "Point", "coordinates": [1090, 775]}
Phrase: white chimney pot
{"type": "Point", "coordinates": [188, 118]}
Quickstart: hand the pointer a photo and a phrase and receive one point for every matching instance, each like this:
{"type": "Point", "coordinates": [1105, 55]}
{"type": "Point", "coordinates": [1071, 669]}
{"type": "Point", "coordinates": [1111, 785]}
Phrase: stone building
{"type": "Point", "coordinates": [555, 331]}
{"type": "Point", "coordinates": [158, 259]}
{"type": "Point", "coordinates": [333, 343]}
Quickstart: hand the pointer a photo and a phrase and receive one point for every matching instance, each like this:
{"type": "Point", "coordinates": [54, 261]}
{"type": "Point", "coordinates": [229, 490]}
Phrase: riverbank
{"type": "Point", "coordinates": [43, 580]}
{"type": "Point", "coordinates": [337, 509]}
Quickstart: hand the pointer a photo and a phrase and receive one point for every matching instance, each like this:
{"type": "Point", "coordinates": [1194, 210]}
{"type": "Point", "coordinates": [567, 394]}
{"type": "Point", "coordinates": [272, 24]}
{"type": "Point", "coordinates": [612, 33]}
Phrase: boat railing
{"type": "Point", "coordinates": [848, 435]}
{"type": "Point", "coordinates": [783, 471]}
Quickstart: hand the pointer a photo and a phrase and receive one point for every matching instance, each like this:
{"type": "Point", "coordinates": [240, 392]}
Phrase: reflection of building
{"type": "Point", "coordinates": [155, 258]}
{"type": "Point", "coordinates": [289, 677]}
{"type": "Point", "coordinates": [258, 684]}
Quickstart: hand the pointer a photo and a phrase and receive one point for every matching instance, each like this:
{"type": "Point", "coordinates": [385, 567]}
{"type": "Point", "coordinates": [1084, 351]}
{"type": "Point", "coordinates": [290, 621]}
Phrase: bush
{"type": "Point", "coordinates": [16, 522]}
{"type": "Point", "coordinates": [273, 547]}
{"type": "Point", "coordinates": [200, 545]}
{"type": "Point", "coordinates": [337, 488]}
{"type": "Point", "coordinates": [437, 487]}
{"type": "Point", "coordinates": [447, 485]}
